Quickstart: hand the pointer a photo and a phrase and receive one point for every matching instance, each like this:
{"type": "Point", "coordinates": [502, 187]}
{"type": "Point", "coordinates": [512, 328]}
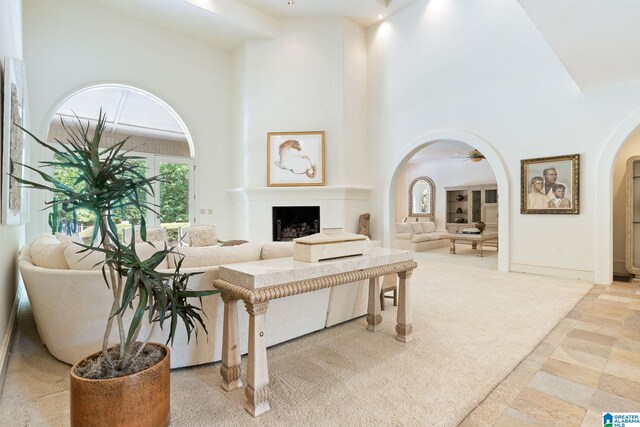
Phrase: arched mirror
{"type": "Point", "coordinates": [422, 197]}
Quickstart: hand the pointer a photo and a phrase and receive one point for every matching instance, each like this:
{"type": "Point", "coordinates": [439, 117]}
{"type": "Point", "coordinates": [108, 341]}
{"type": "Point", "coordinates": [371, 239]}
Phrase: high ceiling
{"type": "Point", "coordinates": [597, 41]}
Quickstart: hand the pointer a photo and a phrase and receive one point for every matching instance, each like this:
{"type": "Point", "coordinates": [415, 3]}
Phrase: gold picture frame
{"type": "Point", "coordinates": [295, 159]}
{"type": "Point", "coordinates": [550, 185]}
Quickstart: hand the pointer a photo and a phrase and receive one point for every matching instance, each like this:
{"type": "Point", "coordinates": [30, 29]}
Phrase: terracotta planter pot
{"type": "Point", "coordinates": [140, 399]}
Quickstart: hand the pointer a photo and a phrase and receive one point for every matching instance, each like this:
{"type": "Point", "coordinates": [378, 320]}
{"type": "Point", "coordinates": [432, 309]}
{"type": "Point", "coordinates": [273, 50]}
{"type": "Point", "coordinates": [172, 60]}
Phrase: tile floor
{"type": "Point", "coordinates": [588, 364]}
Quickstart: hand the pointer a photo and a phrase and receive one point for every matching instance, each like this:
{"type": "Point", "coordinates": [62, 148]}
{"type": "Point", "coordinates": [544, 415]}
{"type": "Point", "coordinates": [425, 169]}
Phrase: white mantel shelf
{"type": "Point", "coordinates": [299, 193]}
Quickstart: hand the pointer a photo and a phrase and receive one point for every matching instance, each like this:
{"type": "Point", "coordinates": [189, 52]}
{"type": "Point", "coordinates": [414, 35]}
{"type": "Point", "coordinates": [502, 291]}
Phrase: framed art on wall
{"type": "Point", "coordinates": [550, 185]}
{"type": "Point", "coordinates": [295, 159]}
{"type": "Point", "coordinates": [14, 142]}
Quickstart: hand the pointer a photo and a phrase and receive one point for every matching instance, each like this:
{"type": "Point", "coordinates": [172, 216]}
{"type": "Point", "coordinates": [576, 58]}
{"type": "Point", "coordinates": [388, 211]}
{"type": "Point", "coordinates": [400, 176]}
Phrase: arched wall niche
{"type": "Point", "coordinates": [491, 155]}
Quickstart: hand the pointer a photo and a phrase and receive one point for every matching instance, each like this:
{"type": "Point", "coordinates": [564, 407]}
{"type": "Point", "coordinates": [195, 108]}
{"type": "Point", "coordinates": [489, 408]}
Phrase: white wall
{"type": "Point", "coordinates": [309, 78]}
{"type": "Point", "coordinates": [72, 44]}
{"type": "Point", "coordinates": [10, 236]}
{"type": "Point", "coordinates": [299, 82]}
{"type": "Point", "coordinates": [483, 68]}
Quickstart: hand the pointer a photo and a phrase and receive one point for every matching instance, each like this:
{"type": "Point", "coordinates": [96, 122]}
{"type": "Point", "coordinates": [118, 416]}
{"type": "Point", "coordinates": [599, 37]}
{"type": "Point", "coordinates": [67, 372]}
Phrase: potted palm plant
{"type": "Point", "coordinates": [127, 384]}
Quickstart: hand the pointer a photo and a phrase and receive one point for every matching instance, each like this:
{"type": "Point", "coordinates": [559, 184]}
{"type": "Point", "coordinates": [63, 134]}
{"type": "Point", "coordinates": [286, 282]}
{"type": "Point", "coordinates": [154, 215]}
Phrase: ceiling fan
{"type": "Point", "coordinates": [473, 155]}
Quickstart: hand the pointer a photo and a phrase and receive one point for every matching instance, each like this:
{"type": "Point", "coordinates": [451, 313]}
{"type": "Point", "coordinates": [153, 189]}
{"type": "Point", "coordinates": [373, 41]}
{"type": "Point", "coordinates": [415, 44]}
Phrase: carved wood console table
{"type": "Point", "coordinates": [258, 282]}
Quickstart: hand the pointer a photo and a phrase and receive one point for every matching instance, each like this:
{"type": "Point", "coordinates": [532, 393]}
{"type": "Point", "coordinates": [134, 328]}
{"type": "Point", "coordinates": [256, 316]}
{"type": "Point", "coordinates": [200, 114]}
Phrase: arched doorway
{"type": "Point", "coordinates": [605, 195]}
{"type": "Point", "coordinates": [154, 132]}
{"type": "Point", "coordinates": [492, 157]}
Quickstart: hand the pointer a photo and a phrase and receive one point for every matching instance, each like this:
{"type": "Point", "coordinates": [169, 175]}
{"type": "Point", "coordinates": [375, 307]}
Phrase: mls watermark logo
{"type": "Point", "coordinates": [621, 419]}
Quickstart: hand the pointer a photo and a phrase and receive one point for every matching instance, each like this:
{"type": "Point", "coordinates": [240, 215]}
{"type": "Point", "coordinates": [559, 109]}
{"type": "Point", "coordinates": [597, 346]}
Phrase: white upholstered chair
{"type": "Point", "coordinates": [154, 234]}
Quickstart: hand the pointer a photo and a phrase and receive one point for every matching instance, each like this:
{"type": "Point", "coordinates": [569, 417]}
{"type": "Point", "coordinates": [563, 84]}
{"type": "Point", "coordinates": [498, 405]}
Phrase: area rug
{"type": "Point", "coordinates": [471, 327]}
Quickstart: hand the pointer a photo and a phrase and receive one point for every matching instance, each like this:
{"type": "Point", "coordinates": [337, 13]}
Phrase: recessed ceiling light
{"type": "Point", "coordinates": [379, 16]}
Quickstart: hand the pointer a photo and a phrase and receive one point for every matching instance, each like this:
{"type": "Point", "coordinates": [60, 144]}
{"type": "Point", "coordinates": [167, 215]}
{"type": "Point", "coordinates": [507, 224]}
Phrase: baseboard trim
{"type": "Point", "coordinates": [543, 270]}
{"type": "Point", "coordinates": [7, 340]}
{"type": "Point", "coordinates": [619, 267]}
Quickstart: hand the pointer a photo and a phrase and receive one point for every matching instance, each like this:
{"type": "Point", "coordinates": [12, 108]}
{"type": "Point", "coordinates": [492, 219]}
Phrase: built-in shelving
{"type": "Point", "coordinates": [632, 246]}
{"type": "Point", "coordinates": [470, 204]}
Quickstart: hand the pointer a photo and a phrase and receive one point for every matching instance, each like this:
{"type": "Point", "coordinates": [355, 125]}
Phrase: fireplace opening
{"type": "Point", "coordinates": [290, 222]}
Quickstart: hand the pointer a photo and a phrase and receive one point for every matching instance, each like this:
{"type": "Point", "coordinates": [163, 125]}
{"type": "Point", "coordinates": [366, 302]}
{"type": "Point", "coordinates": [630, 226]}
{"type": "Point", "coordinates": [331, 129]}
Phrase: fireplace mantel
{"type": "Point", "coordinates": [299, 193]}
{"type": "Point", "coordinates": [340, 206]}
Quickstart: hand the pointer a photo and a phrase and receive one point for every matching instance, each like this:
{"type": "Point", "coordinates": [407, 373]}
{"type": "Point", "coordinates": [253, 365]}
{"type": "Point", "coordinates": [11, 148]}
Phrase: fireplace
{"type": "Point", "coordinates": [290, 222]}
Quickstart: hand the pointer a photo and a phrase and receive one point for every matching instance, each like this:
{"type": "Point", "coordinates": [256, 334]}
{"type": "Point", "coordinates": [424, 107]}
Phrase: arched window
{"type": "Point", "coordinates": [155, 134]}
{"type": "Point", "coordinates": [422, 197]}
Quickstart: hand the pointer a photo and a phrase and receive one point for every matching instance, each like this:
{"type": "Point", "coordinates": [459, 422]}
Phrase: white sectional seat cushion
{"type": "Point", "coordinates": [404, 236]}
{"type": "Point", "coordinates": [424, 237]}
{"type": "Point", "coordinates": [276, 250]}
{"type": "Point", "coordinates": [403, 227]}
{"type": "Point", "coordinates": [209, 256]}
{"type": "Point", "coordinates": [48, 252]}
{"type": "Point", "coordinates": [428, 227]}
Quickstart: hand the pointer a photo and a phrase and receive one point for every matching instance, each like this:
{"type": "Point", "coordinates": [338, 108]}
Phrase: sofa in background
{"type": "Point", "coordinates": [70, 301]}
{"type": "Point", "coordinates": [419, 236]}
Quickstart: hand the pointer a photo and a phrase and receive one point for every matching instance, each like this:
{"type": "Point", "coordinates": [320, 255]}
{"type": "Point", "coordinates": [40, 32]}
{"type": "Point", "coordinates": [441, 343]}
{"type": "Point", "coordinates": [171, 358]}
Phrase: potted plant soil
{"type": "Point", "coordinates": [127, 384]}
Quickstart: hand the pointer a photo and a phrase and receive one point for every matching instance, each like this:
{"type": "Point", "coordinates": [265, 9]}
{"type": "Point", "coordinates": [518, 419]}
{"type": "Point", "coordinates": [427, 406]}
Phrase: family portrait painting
{"type": "Point", "coordinates": [550, 185]}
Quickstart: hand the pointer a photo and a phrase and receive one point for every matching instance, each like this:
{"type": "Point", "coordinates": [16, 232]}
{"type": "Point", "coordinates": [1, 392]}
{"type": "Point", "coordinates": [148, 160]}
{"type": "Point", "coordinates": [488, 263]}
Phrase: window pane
{"type": "Point", "coordinates": [174, 197]}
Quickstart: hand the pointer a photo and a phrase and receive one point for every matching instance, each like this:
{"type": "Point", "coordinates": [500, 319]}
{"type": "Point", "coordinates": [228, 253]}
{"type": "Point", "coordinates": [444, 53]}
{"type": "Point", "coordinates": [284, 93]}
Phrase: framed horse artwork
{"type": "Point", "coordinates": [295, 159]}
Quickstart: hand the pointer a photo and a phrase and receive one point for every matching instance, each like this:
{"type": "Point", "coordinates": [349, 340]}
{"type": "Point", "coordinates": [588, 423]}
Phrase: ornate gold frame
{"type": "Point", "coordinates": [433, 197]}
{"type": "Point", "coordinates": [271, 182]}
{"type": "Point", "coordinates": [541, 163]}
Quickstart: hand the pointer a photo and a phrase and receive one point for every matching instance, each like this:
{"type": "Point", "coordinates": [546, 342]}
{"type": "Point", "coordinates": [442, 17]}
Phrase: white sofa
{"type": "Point", "coordinates": [71, 302]}
{"type": "Point", "coordinates": [419, 236]}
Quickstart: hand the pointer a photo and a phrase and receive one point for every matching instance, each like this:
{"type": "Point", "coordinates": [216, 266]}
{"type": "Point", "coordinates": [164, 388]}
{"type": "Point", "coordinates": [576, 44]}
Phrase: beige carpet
{"type": "Point", "coordinates": [472, 325]}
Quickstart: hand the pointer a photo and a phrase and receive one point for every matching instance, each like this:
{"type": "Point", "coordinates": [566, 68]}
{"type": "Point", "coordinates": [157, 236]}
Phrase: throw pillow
{"type": "Point", "coordinates": [146, 251]}
{"type": "Point", "coordinates": [48, 252]}
{"type": "Point", "coordinates": [202, 237]}
{"type": "Point", "coordinates": [403, 227]}
{"type": "Point", "coordinates": [216, 255]}
{"type": "Point", "coordinates": [428, 227]}
{"type": "Point", "coordinates": [416, 227]}
{"type": "Point", "coordinates": [78, 260]}
{"type": "Point", "coordinates": [276, 250]}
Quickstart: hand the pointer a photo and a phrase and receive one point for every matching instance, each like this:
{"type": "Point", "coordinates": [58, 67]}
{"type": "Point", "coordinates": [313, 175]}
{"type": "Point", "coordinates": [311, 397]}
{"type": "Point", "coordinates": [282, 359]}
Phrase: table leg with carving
{"type": "Point", "coordinates": [230, 368]}
{"type": "Point", "coordinates": [257, 389]}
{"type": "Point", "coordinates": [374, 316]}
{"type": "Point", "coordinates": [479, 251]}
{"type": "Point", "coordinates": [404, 328]}
{"type": "Point", "coordinates": [452, 248]}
